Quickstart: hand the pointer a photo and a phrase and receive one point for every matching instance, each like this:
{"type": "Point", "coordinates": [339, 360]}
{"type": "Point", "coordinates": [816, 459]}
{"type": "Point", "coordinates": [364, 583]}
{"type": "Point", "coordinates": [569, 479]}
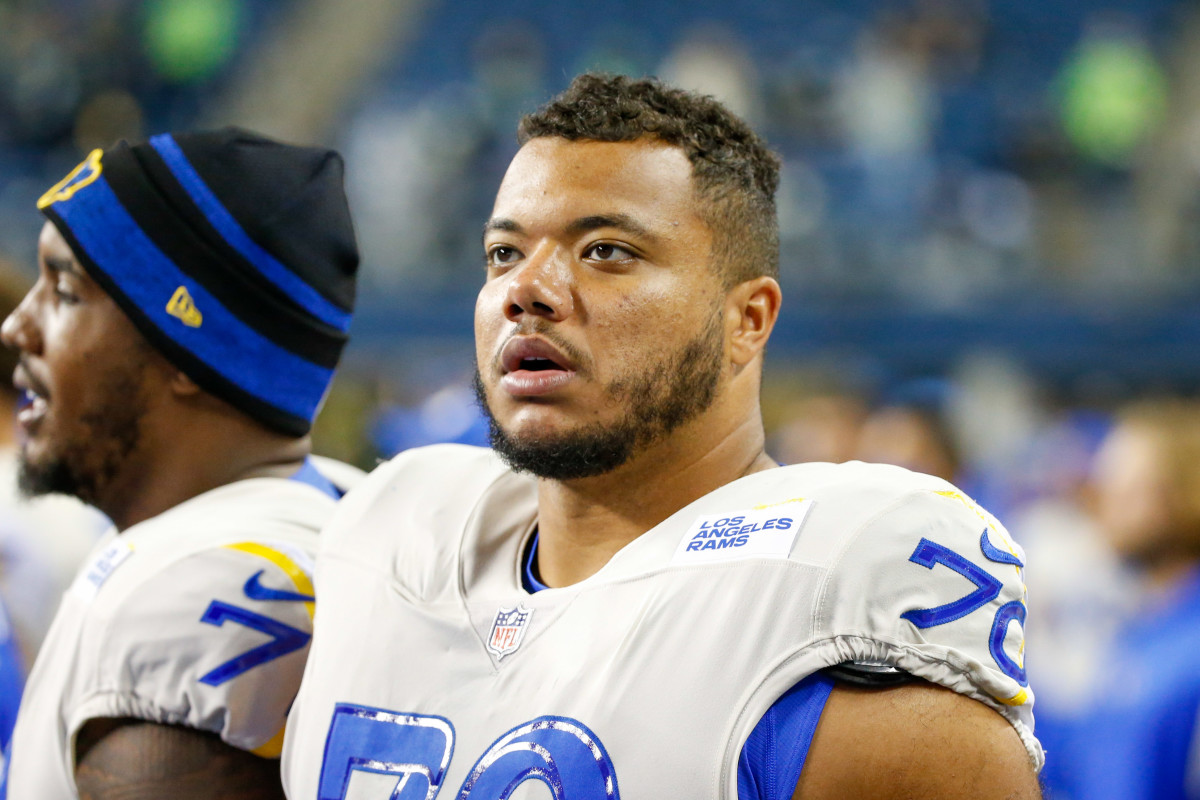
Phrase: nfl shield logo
{"type": "Point", "coordinates": [508, 629]}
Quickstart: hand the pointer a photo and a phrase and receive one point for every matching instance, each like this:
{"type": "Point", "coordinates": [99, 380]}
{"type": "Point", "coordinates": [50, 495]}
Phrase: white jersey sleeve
{"type": "Point", "coordinates": [933, 584]}
{"type": "Point", "coordinates": [199, 617]}
{"type": "Point", "coordinates": [214, 641]}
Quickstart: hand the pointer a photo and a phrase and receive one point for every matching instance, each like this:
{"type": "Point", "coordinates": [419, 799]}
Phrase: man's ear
{"type": "Point", "coordinates": [751, 309]}
{"type": "Point", "coordinates": [182, 385]}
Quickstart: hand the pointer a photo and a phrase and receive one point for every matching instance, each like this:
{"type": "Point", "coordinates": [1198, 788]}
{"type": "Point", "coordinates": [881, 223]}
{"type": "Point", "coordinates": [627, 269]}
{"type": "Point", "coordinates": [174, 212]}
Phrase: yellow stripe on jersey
{"type": "Point", "coordinates": [987, 518]}
{"type": "Point", "coordinates": [764, 506]}
{"type": "Point", "coordinates": [272, 748]}
{"type": "Point", "coordinates": [1018, 699]}
{"type": "Point", "coordinates": [293, 570]}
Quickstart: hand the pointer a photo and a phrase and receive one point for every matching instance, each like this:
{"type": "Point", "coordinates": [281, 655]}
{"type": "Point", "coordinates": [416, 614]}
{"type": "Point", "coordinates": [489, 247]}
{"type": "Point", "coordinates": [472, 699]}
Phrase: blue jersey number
{"type": "Point", "coordinates": [416, 749]}
{"type": "Point", "coordinates": [284, 639]}
{"type": "Point", "coordinates": [413, 747]}
{"type": "Point", "coordinates": [987, 588]}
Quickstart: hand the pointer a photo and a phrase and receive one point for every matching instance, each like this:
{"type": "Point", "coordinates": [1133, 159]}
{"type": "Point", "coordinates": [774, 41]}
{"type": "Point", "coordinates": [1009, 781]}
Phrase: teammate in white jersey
{"type": "Point", "coordinates": [194, 295]}
{"type": "Point", "coordinates": [630, 600]}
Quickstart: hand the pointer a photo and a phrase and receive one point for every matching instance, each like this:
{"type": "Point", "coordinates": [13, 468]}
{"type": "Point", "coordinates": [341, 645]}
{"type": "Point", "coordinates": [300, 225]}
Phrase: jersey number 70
{"type": "Point", "coordinates": [929, 554]}
{"type": "Point", "coordinates": [410, 754]}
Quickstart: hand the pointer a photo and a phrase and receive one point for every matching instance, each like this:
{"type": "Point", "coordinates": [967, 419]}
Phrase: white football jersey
{"type": "Point", "coordinates": [200, 616]}
{"type": "Point", "coordinates": [434, 670]}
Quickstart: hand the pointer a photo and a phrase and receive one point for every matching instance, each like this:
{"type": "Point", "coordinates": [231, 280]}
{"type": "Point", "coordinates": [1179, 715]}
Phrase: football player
{"type": "Point", "coordinates": [629, 598]}
{"type": "Point", "coordinates": [193, 297]}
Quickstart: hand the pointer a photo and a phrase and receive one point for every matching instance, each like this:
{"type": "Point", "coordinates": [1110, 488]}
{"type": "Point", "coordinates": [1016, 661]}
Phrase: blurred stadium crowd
{"type": "Point", "coordinates": [990, 221]}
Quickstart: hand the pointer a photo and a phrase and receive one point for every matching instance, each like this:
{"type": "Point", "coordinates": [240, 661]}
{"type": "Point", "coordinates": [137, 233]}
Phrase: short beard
{"type": "Point", "coordinates": [657, 402]}
{"type": "Point", "coordinates": [86, 467]}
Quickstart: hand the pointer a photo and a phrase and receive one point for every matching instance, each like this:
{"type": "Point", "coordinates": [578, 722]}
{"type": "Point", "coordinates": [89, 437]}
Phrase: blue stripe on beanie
{"type": "Point", "coordinates": [110, 237]}
{"type": "Point", "coordinates": [287, 281]}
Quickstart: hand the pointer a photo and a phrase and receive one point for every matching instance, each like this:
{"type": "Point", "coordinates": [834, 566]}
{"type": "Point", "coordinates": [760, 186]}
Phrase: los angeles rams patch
{"type": "Point", "coordinates": [760, 532]}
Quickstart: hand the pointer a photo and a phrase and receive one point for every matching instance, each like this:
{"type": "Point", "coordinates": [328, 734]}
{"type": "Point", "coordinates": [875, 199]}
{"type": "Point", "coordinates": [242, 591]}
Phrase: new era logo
{"type": "Point", "coordinates": [508, 630]}
{"type": "Point", "coordinates": [182, 307]}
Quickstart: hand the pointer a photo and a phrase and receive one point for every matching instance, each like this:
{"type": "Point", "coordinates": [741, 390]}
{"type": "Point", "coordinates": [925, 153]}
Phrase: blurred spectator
{"type": "Point", "coordinates": [14, 663]}
{"type": "Point", "coordinates": [1078, 590]}
{"type": "Point", "coordinates": [710, 60]}
{"type": "Point", "coordinates": [191, 40]}
{"type": "Point", "coordinates": [888, 109]}
{"type": "Point", "coordinates": [450, 414]}
{"type": "Point", "coordinates": [1076, 586]}
{"type": "Point", "coordinates": [421, 170]}
{"type": "Point", "coordinates": [41, 540]}
{"type": "Point", "coordinates": [1114, 93]}
{"type": "Point", "coordinates": [821, 427]}
{"type": "Point", "coordinates": [1137, 737]}
{"type": "Point", "coordinates": [12, 682]}
{"type": "Point", "coordinates": [908, 429]}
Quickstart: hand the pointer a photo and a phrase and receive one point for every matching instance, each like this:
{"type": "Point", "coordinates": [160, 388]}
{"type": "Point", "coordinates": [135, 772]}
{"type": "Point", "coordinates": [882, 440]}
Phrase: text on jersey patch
{"type": "Point", "coordinates": [754, 533]}
{"type": "Point", "coordinates": [89, 581]}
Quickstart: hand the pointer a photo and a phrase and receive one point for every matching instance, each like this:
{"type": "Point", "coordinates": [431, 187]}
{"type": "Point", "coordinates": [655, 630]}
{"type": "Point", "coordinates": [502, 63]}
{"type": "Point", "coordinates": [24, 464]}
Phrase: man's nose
{"type": "Point", "coordinates": [19, 330]}
{"type": "Point", "coordinates": [542, 286]}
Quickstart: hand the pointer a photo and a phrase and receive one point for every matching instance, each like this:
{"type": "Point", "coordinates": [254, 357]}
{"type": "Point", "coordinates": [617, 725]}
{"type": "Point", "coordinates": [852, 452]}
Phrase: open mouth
{"type": "Point", "coordinates": [31, 408]}
{"type": "Point", "coordinates": [536, 364]}
{"type": "Point", "coordinates": [533, 354]}
{"type": "Point", "coordinates": [32, 403]}
{"type": "Point", "coordinates": [533, 367]}
{"type": "Point", "coordinates": [30, 399]}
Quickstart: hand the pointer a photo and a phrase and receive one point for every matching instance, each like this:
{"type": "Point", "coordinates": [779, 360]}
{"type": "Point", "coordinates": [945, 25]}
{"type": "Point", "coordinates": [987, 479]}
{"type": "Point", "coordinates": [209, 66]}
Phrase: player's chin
{"type": "Point", "coordinates": [40, 472]}
{"type": "Point", "coordinates": [535, 421]}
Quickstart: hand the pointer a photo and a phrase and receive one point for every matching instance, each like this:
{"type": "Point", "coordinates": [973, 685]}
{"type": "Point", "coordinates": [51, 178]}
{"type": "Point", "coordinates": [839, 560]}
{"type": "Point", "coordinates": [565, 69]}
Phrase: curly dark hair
{"type": "Point", "coordinates": [734, 172]}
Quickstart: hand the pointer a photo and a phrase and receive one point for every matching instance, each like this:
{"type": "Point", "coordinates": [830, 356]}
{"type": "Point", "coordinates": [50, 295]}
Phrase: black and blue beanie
{"type": "Point", "coordinates": [233, 254]}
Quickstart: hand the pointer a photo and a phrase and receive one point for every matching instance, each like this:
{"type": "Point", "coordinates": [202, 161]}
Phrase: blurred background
{"type": "Point", "coordinates": [990, 218]}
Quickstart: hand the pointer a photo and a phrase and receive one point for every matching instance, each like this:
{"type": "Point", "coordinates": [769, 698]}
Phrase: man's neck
{"type": "Point", "coordinates": [155, 482]}
{"type": "Point", "coordinates": [583, 523]}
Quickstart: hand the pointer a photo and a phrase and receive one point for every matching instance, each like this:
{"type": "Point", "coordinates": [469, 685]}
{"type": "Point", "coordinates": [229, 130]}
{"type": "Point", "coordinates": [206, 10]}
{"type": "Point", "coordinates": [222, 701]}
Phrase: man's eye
{"type": "Point", "coordinates": [66, 295]}
{"type": "Point", "coordinates": [608, 252]}
{"type": "Point", "coordinates": [502, 254]}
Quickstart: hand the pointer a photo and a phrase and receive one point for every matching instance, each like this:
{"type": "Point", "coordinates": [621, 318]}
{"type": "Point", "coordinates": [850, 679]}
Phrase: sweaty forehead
{"type": "Point", "coordinates": [554, 178]}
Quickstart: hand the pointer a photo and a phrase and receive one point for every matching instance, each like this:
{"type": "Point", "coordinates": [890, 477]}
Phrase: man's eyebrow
{"type": "Point", "coordinates": [622, 222]}
{"type": "Point", "coordinates": [501, 224]}
{"type": "Point", "coordinates": [60, 264]}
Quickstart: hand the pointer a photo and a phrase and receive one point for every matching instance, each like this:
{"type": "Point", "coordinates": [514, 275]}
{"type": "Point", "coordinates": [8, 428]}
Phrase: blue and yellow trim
{"type": "Point", "coordinates": [273, 747]}
{"type": "Point", "coordinates": [294, 571]}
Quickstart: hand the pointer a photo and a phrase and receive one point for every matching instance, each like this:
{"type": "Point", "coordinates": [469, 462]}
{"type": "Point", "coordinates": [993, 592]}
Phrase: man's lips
{"type": "Point", "coordinates": [532, 353]}
{"type": "Point", "coordinates": [33, 402]}
{"type": "Point", "coordinates": [533, 367]}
